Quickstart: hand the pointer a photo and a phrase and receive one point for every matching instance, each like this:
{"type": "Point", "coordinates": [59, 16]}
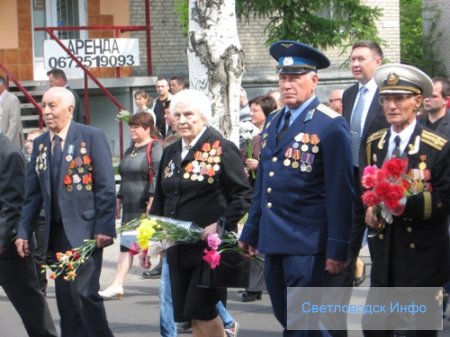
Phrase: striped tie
{"type": "Point", "coordinates": [355, 124]}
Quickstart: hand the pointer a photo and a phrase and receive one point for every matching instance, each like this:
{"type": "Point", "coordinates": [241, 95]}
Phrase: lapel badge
{"type": "Point", "coordinates": [414, 148]}
{"type": "Point", "coordinates": [309, 116]}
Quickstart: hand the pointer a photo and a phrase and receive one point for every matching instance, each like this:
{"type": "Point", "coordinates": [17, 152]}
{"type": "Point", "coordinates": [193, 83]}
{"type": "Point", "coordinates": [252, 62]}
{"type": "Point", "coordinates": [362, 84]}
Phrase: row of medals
{"type": "Point", "coordinates": [205, 164]}
{"type": "Point", "coordinates": [297, 152]}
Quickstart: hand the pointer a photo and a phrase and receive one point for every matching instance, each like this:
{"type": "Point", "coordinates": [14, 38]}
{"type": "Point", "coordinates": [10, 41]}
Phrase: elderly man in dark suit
{"type": "Point", "coordinates": [302, 213]}
{"type": "Point", "coordinates": [18, 275]}
{"type": "Point", "coordinates": [71, 174]}
{"type": "Point", "coordinates": [412, 251]}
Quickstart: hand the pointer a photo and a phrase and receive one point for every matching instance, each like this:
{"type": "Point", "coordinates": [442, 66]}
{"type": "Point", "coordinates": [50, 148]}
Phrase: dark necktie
{"type": "Point", "coordinates": [285, 127]}
{"type": "Point", "coordinates": [56, 162]}
{"type": "Point", "coordinates": [397, 152]}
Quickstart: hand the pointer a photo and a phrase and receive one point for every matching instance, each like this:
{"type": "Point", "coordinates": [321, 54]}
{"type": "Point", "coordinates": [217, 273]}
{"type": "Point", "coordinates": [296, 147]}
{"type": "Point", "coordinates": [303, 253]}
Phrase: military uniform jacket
{"type": "Point", "coordinates": [303, 202]}
{"type": "Point", "coordinates": [208, 184]}
{"type": "Point", "coordinates": [86, 187]}
{"type": "Point", "coordinates": [413, 250]}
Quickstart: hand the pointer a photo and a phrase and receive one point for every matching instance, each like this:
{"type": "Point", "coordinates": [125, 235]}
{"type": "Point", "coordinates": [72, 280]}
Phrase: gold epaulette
{"type": "Point", "coordinates": [377, 135]}
{"type": "Point", "coordinates": [327, 111]}
{"type": "Point", "coordinates": [433, 140]}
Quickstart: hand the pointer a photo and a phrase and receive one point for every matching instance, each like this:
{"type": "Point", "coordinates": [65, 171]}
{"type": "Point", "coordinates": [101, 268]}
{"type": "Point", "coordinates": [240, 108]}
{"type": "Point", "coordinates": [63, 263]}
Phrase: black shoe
{"type": "Point", "coordinates": [184, 327]}
{"type": "Point", "coordinates": [251, 296]}
{"type": "Point", "coordinates": [154, 273]}
{"type": "Point", "coordinates": [357, 281]}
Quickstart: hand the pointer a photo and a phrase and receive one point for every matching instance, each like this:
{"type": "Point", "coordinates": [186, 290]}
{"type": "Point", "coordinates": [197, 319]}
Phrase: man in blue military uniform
{"type": "Point", "coordinates": [302, 212]}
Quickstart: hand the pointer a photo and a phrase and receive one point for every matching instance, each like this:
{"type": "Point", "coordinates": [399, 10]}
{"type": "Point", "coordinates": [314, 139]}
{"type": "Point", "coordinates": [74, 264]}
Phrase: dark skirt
{"type": "Point", "coordinates": [189, 300]}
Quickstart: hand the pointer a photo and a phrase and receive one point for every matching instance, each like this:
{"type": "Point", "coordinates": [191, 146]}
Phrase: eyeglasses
{"type": "Point", "coordinates": [334, 100]}
{"type": "Point", "coordinates": [397, 99]}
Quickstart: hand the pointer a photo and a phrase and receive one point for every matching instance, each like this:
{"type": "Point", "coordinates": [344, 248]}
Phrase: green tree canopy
{"type": "Point", "coordinates": [321, 23]}
{"type": "Point", "coordinates": [419, 45]}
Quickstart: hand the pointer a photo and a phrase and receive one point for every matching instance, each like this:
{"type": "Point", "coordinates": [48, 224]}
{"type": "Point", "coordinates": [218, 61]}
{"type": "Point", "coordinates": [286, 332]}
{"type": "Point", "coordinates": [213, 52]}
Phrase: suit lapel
{"type": "Point", "coordinates": [46, 173]}
{"type": "Point", "coordinates": [353, 91]}
{"type": "Point", "coordinates": [372, 113]}
{"type": "Point", "coordinates": [71, 140]}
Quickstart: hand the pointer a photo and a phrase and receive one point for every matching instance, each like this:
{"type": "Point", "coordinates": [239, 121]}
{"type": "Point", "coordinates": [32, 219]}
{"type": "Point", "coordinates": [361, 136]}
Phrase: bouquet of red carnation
{"type": "Point", "coordinates": [387, 188]}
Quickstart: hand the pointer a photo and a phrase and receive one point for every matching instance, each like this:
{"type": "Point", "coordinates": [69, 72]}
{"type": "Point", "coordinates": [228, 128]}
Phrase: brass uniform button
{"type": "Point", "coordinates": [409, 229]}
{"type": "Point", "coordinates": [412, 246]}
{"type": "Point", "coordinates": [380, 236]}
{"type": "Point", "coordinates": [274, 159]}
{"type": "Point", "coordinates": [269, 189]}
{"type": "Point", "coordinates": [271, 174]}
{"type": "Point", "coordinates": [269, 205]}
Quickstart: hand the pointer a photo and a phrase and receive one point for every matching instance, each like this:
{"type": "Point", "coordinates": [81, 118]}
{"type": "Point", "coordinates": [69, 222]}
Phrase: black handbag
{"type": "Point", "coordinates": [232, 272]}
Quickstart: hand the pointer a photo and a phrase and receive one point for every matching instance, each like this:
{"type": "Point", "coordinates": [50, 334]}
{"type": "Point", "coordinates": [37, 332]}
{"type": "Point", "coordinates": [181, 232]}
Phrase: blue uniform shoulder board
{"type": "Point", "coordinates": [433, 140]}
{"type": "Point", "coordinates": [327, 111]}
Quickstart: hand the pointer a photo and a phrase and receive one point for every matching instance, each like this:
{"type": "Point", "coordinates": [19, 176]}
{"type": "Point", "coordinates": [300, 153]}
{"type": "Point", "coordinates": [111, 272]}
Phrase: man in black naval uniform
{"type": "Point", "coordinates": [302, 211]}
{"type": "Point", "coordinates": [412, 251]}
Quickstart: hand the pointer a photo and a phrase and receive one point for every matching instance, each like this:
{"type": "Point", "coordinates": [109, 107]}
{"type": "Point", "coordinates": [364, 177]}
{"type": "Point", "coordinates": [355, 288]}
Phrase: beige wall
{"type": "Point", "coordinates": [119, 9]}
{"type": "Point", "coordinates": [9, 33]}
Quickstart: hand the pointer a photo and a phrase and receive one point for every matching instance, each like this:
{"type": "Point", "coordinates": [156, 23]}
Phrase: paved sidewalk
{"type": "Point", "coordinates": [137, 314]}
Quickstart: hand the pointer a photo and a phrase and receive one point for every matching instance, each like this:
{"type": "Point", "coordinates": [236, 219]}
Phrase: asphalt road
{"type": "Point", "coordinates": [137, 313]}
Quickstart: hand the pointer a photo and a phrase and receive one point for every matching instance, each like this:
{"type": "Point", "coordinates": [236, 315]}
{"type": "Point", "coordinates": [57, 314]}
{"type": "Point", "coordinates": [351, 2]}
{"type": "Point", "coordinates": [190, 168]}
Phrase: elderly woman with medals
{"type": "Point", "coordinates": [201, 179]}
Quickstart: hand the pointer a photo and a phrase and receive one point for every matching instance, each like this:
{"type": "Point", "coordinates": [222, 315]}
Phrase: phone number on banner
{"type": "Point", "coordinates": [92, 61]}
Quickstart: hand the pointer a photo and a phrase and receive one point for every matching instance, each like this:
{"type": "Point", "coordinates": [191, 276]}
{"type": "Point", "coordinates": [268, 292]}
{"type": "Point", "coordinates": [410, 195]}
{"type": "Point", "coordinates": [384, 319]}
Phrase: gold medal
{"type": "Point", "coordinates": [304, 148]}
{"type": "Point", "coordinates": [69, 188]}
{"type": "Point", "coordinates": [287, 162]}
{"type": "Point", "coordinates": [217, 159]}
{"type": "Point", "coordinates": [295, 164]}
{"type": "Point", "coordinates": [194, 177]}
{"type": "Point", "coordinates": [210, 180]}
{"type": "Point", "coordinates": [422, 165]}
{"type": "Point", "coordinates": [200, 178]}
{"type": "Point", "coordinates": [212, 152]}
{"type": "Point", "coordinates": [88, 187]}
{"type": "Point", "coordinates": [186, 175]}
{"type": "Point", "coordinates": [315, 149]}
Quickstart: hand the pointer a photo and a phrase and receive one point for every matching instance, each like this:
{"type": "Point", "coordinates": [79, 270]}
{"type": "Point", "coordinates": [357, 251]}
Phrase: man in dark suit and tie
{"type": "Point", "coordinates": [363, 112]}
{"type": "Point", "coordinates": [71, 174]}
{"type": "Point", "coordinates": [18, 275]}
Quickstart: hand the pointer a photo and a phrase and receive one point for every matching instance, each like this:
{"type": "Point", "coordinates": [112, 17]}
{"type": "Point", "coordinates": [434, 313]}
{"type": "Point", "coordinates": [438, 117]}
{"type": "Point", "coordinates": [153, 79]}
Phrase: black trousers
{"type": "Point", "coordinates": [79, 304]}
{"type": "Point", "coordinates": [19, 280]}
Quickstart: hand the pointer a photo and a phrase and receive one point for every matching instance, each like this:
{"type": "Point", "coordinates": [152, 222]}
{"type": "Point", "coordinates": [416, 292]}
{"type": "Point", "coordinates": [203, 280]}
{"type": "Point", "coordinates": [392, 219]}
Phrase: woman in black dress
{"type": "Point", "coordinates": [201, 179]}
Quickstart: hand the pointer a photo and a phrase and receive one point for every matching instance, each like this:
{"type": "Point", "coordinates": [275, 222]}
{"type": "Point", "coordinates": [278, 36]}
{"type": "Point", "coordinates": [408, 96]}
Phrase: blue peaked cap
{"type": "Point", "coordinates": [295, 57]}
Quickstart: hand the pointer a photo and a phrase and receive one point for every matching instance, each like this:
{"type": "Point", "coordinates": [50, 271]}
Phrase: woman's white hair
{"type": "Point", "coordinates": [195, 100]}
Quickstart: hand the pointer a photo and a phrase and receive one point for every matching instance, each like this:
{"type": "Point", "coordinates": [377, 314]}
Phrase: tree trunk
{"type": "Point", "coordinates": [216, 60]}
